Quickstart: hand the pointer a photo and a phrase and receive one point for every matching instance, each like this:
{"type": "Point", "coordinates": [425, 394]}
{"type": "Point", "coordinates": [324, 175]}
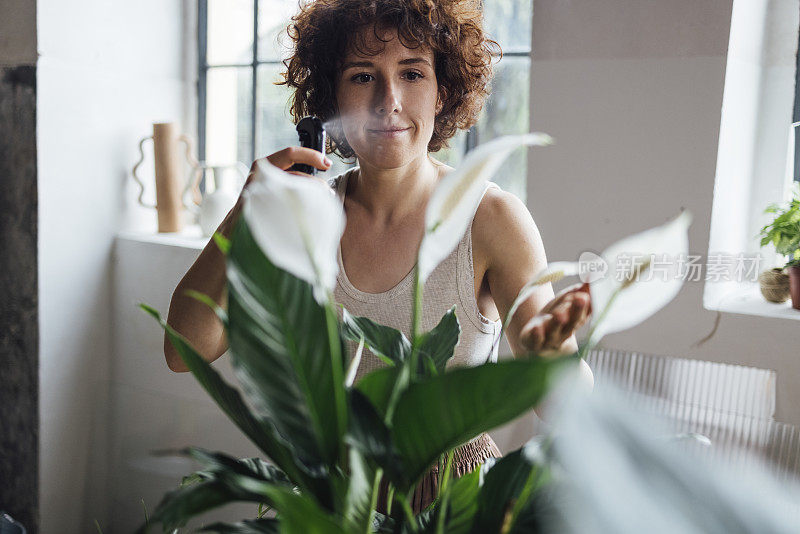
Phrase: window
{"type": "Point", "coordinates": [754, 167]}
{"type": "Point", "coordinates": [795, 142]}
{"type": "Point", "coordinates": [243, 115]}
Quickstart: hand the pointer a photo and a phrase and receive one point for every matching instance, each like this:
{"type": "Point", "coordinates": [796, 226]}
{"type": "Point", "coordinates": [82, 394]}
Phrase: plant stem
{"type": "Point", "coordinates": [332, 323]}
{"type": "Point", "coordinates": [389, 499]}
{"type": "Point", "coordinates": [590, 338]}
{"type": "Point", "coordinates": [444, 489]}
{"type": "Point", "coordinates": [409, 368]}
{"type": "Point", "coordinates": [373, 501]}
{"type": "Point", "coordinates": [416, 319]}
{"type": "Point", "coordinates": [409, 513]}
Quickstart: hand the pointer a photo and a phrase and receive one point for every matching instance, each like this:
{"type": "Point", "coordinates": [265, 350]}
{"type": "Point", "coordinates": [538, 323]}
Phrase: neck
{"type": "Point", "coordinates": [390, 195]}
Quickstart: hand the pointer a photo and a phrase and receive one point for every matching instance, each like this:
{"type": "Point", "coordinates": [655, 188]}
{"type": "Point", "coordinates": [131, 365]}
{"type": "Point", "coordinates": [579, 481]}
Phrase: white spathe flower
{"type": "Point", "coordinates": [298, 223]}
{"type": "Point", "coordinates": [457, 195]}
{"type": "Point", "coordinates": [639, 296]}
{"type": "Point", "coordinates": [614, 272]}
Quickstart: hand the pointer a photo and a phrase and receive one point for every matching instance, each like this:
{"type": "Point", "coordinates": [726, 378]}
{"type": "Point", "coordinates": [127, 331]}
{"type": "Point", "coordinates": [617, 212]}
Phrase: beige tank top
{"type": "Point", "coordinates": [451, 283]}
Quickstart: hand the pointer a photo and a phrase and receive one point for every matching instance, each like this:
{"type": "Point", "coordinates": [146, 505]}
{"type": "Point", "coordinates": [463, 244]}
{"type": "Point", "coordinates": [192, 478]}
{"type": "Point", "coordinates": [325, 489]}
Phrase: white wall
{"type": "Point", "coordinates": [632, 92]}
{"type": "Point", "coordinates": [107, 70]}
{"type": "Point", "coordinates": [151, 407]}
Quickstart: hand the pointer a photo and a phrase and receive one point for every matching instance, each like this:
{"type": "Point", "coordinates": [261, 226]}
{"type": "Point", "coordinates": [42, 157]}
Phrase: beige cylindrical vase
{"type": "Point", "coordinates": [169, 186]}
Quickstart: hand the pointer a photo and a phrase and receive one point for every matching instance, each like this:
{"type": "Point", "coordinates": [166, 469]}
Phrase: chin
{"type": "Point", "coordinates": [388, 157]}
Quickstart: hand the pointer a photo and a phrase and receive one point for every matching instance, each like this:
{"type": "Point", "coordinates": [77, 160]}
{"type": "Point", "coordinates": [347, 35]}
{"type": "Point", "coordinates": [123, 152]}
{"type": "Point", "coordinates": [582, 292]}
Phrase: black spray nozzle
{"type": "Point", "coordinates": [312, 135]}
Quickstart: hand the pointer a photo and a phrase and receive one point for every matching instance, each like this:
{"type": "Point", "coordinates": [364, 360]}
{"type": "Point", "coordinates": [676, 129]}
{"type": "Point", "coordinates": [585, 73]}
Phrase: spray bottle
{"type": "Point", "coordinates": [312, 135]}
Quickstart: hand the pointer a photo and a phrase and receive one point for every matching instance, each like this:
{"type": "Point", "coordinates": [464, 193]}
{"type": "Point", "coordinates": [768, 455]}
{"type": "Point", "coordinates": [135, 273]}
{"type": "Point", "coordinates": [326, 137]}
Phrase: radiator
{"type": "Point", "coordinates": [731, 405]}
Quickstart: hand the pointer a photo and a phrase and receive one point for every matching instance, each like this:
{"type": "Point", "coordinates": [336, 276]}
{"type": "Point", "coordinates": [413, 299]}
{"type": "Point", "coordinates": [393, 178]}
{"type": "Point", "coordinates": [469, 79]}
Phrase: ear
{"type": "Point", "coordinates": [440, 98]}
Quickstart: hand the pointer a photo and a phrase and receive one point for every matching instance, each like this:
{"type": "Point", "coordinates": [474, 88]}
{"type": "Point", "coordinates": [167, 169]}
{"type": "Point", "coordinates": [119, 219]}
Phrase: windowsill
{"type": "Point", "coordinates": [190, 238]}
{"type": "Point", "coordinates": [743, 299]}
{"type": "Point", "coordinates": [746, 299]}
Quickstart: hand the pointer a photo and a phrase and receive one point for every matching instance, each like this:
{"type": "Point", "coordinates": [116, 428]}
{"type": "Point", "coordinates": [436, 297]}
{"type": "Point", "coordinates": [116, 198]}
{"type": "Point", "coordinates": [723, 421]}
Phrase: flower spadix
{"type": "Point", "coordinates": [642, 276]}
{"type": "Point", "coordinates": [297, 222]}
{"type": "Point", "coordinates": [456, 197]}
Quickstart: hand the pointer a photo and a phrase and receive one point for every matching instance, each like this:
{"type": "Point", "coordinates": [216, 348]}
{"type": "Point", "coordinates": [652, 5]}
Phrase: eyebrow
{"type": "Point", "coordinates": [409, 61]}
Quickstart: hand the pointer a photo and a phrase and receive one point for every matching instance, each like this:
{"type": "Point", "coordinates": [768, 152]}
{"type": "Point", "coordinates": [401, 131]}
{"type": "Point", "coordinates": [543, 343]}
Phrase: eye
{"type": "Point", "coordinates": [358, 78]}
{"type": "Point", "coordinates": [415, 75]}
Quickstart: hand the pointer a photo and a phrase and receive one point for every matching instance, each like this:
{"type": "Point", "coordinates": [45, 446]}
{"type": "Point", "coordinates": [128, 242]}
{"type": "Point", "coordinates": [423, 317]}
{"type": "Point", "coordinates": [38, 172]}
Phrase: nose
{"type": "Point", "coordinates": [388, 99]}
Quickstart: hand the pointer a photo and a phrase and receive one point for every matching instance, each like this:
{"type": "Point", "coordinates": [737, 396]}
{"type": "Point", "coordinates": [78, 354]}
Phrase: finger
{"type": "Point", "coordinates": [532, 335]}
{"type": "Point", "coordinates": [555, 302]}
{"type": "Point", "coordinates": [569, 290]}
{"type": "Point", "coordinates": [577, 311]}
{"type": "Point", "coordinates": [557, 327]}
{"type": "Point", "coordinates": [284, 159]}
{"type": "Point", "coordinates": [584, 294]}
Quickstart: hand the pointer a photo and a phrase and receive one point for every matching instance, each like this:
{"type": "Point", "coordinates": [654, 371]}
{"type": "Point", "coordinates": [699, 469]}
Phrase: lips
{"type": "Point", "coordinates": [391, 131]}
{"type": "Point", "coordinates": [388, 130]}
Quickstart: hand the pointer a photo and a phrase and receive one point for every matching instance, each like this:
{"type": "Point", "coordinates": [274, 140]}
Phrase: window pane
{"type": "Point", "coordinates": [506, 112]}
{"type": "Point", "coordinates": [274, 127]}
{"type": "Point", "coordinates": [509, 22]}
{"type": "Point", "coordinates": [455, 153]}
{"type": "Point", "coordinates": [273, 17]}
{"type": "Point", "coordinates": [229, 115]}
{"type": "Point", "coordinates": [230, 32]}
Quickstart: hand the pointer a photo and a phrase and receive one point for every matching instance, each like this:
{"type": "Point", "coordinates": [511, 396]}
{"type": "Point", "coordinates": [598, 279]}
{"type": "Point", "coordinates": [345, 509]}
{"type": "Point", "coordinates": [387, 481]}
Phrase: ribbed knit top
{"type": "Point", "coordinates": [451, 283]}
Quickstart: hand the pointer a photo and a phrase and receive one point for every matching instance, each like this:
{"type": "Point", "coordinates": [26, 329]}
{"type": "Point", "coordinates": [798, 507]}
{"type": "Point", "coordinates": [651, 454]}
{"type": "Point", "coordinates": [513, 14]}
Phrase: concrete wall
{"type": "Point", "coordinates": [19, 307]}
{"type": "Point", "coordinates": [632, 92]}
{"type": "Point", "coordinates": [107, 70]}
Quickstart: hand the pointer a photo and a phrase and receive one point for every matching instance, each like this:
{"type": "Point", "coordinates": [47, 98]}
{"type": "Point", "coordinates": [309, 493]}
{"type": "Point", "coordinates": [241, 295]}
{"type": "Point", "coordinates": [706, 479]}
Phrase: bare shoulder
{"type": "Point", "coordinates": [503, 226]}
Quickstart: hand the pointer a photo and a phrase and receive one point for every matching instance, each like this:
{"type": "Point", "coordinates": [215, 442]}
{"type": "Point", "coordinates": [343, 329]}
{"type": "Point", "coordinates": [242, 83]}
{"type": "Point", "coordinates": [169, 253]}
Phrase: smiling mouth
{"type": "Point", "coordinates": [393, 131]}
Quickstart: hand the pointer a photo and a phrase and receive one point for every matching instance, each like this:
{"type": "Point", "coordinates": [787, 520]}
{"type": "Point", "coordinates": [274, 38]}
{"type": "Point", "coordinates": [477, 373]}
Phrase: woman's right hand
{"type": "Point", "coordinates": [284, 159]}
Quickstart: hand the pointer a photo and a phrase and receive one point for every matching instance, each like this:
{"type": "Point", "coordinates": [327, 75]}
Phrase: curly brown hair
{"type": "Point", "coordinates": [323, 31]}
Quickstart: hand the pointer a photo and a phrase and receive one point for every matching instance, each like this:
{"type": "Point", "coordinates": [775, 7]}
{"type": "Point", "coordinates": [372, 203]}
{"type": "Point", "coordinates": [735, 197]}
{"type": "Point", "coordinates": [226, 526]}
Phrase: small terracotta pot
{"type": "Point", "coordinates": [794, 285]}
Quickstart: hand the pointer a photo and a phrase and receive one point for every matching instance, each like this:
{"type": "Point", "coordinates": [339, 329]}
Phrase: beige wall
{"type": "Point", "coordinates": [17, 32]}
{"type": "Point", "coordinates": [632, 91]}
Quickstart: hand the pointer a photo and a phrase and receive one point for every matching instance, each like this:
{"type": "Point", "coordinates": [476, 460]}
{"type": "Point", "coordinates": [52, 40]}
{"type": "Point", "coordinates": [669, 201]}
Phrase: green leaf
{"type": "Point", "coordinates": [388, 344]}
{"type": "Point", "coordinates": [278, 336]}
{"type": "Point", "coordinates": [463, 502]}
{"type": "Point", "coordinates": [504, 482]}
{"type": "Point", "coordinates": [377, 387]}
{"type": "Point", "coordinates": [248, 526]}
{"type": "Point", "coordinates": [253, 467]}
{"type": "Point", "coordinates": [370, 436]}
{"type": "Point", "coordinates": [541, 513]}
{"type": "Point", "coordinates": [223, 243]}
{"type": "Point", "coordinates": [358, 510]}
{"type": "Point", "coordinates": [445, 411]}
{"type": "Point", "coordinates": [179, 505]}
{"type": "Point", "coordinates": [301, 515]}
{"type": "Point", "coordinates": [439, 343]}
{"type": "Point", "coordinates": [260, 433]}
{"type": "Point", "coordinates": [208, 301]}
{"type": "Point", "coordinates": [225, 479]}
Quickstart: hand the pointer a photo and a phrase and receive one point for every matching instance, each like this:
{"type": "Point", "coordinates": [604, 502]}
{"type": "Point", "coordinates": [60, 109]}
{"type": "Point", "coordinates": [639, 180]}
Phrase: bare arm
{"type": "Point", "coordinates": [544, 323]}
{"type": "Point", "coordinates": [193, 319]}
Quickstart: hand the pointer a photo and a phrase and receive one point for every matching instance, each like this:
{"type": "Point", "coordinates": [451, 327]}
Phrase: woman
{"type": "Point", "coordinates": [396, 79]}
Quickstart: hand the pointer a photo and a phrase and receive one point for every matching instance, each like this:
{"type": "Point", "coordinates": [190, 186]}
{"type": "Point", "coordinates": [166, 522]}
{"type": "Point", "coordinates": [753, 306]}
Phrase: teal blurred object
{"type": "Point", "coordinates": [9, 526]}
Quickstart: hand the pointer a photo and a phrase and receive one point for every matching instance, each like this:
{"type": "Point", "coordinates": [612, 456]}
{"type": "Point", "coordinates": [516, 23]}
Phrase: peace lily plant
{"type": "Point", "coordinates": [328, 441]}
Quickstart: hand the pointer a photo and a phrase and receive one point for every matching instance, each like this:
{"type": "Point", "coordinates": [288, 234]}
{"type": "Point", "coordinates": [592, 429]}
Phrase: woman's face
{"type": "Point", "coordinates": [388, 102]}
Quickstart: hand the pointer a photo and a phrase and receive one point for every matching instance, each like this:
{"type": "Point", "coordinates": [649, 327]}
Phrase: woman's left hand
{"type": "Point", "coordinates": [549, 329]}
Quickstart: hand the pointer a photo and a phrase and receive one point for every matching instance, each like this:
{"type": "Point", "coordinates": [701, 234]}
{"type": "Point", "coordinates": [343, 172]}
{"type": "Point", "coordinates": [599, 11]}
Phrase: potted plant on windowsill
{"type": "Point", "coordinates": [784, 233]}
